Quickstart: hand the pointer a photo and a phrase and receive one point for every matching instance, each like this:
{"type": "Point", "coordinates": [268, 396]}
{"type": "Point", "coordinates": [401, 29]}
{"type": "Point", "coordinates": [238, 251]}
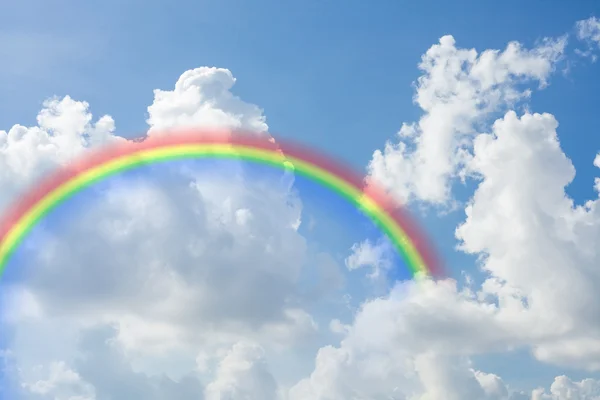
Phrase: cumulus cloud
{"type": "Point", "coordinates": [202, 97]}
{"type": "Point", "coordinates": [536, 248]}
{"type": "Point", "coordinates": [458, 90]}
{"type": "Point", "coordinates": [62, 383]}
{"type": "Point", "coordinates": [564, 388]}
{"type": "Point", "coordinates": [414, 345]}
{"type": "Point", "coordinates": [101, 360]}
{"type": "Point", "coordinates": [243, 374]}
{"type": "Point", "coordinates": [539, 246]}
{"type": "Point", "coordinates": [173, 262]}
{"type": "Point", "coordinates": [408, 345]}
{"type": "Point", "coordinates": [65, 129]}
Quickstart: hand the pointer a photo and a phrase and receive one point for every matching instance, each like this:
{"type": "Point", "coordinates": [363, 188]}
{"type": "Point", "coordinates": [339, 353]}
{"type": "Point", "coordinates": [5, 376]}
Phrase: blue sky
{"type": "Point", "coordinates": [337, 75]}
{"type": "Point", "coordinates": [348, 68]}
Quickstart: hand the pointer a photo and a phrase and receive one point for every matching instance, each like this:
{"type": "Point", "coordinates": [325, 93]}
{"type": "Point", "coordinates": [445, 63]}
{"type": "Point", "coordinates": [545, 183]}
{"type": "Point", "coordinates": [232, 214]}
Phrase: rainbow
{"type": "Point", "coordinates": [110, 160]}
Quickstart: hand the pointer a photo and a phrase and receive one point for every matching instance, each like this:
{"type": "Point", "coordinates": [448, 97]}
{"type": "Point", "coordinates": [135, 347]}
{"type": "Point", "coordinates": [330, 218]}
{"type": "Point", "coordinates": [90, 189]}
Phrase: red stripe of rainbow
{"type": "Point", "coordinates": [32, 207]}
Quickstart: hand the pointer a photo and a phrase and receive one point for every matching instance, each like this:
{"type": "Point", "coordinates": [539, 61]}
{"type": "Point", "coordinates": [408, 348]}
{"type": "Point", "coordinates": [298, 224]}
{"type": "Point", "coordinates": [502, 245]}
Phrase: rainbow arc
{"type": "Point", "coordinates": [194, 144]}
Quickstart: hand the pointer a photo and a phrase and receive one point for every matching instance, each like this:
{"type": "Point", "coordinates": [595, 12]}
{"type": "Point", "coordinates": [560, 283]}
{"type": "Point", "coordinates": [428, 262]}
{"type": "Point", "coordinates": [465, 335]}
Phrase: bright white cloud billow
{"type": "Point", "coordinates": [539, 297]}
{"type": "Point", "coordinates": [458, 91]}
{"type": "Point", "coordinates": [185, 284]}
{"type": "Point", "coordinates": [182, 262]}
{"type": "Point", "coordinates": [202, 97]}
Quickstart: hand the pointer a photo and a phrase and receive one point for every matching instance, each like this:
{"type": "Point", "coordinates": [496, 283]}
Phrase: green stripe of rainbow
{"type": "Point", "coordinates": [21, 223]}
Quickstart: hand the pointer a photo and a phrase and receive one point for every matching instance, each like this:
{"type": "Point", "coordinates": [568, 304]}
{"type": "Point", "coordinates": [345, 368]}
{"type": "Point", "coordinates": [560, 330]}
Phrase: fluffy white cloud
{"type": "Point", "coordinates": [64, 130]}
{"type": "Point", "coordinates": [539, 247]}
{"type": "Point", "coordinates": [564, 388]}
{"type": "Point", "coordinates": [458, 90]}
{"type": "Point", "coordinates": [414, 345]}
{"type": "Point", "coordinates": [102, 362]}
{"type": "Point", "coordinates": [536, 247]}
{"type": "Point", "coordinates": [183, 260]}
{"type": "Point", "coordinates": [243, 374]}
{"type": "Point", "coordinates": [62, 384]}
{"type": "Point", "coordinates": [202, 97]}
{"type": "Point", "coordinates": [408, 345]}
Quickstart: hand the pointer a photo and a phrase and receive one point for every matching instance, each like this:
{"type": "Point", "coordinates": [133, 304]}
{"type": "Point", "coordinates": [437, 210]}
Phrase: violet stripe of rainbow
{"type": "Point", "coordinates": [370, 206]}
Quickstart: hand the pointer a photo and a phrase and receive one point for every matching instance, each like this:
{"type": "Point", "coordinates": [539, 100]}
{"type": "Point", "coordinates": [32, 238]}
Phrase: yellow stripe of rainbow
{"type": "Point", "coordinates": [19, 229]}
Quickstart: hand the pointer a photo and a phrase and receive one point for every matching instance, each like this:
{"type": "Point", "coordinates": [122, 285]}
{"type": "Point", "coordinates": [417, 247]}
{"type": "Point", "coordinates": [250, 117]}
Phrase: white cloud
{"type": "Point", "coordinates": [374, 256]}
{"type": "Point", "coordinates": [539, 247]}
{"type": "Point", "coordinates": [243, 374]}
{"type": "Point", "coordinates": [62, 384]}
{"type": "Point", "coordinates": [564, 388]}
{"type": "Point", "coordinates": [65, 129]}
{"type": "Point", "coordinates": [174, 262]}
{"type": "Point", "coordinates": [458, 90]}
{"type": "Point", "coordinates": [589, 29]}
{"type": "Point", "coordinates": [536, 247]}
{"type": "Point", "coordinates": [202, 97]}
{"type": "Point", "coordinates": [406, 346]}
{"type": "Point", "coordinates": [414, 345]}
